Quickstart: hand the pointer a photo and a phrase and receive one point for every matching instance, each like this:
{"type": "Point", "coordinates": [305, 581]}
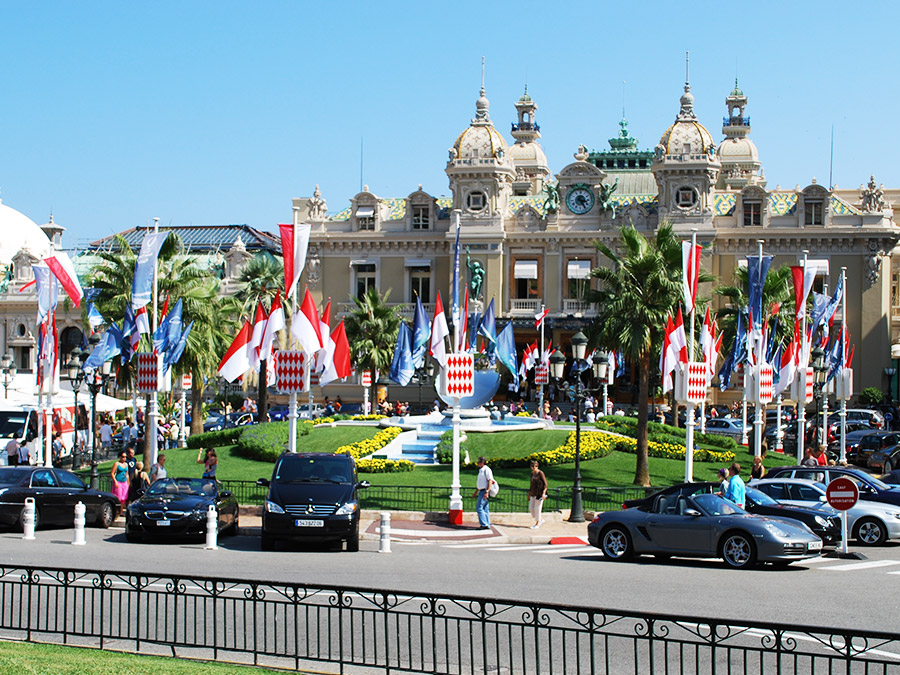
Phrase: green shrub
{"type": "Point", "coordinates": [870, 396]}
{"type": "Point", "coordinates": [444, 450]}
{"type": "Point", "coordinates": [215, 439]}
{"type": "Point", "coordinates": [266, 442]}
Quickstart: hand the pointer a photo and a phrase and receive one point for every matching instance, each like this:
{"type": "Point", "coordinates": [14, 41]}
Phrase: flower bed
{"type": "Point", "coordinates": [372, 445]}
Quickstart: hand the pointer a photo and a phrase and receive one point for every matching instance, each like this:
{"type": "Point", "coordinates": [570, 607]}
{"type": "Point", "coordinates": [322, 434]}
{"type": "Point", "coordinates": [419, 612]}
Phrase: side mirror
{"type": "Point", "coordinates": [264, 482]}
{"type": "Point", "coordinates": [225, 495]}
{"type": "Point", "coordinates": [823, 498]}
{"type": "Point", "coordinates": [363, 484]}
{"type": "Point", "coordinates": [692, 512]}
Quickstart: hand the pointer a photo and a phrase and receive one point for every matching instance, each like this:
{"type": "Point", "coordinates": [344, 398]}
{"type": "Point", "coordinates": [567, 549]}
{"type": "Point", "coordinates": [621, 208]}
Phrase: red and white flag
{"type": "Point", "coordinates": [236, 361]}
{"type": "Point", "coordinates": [803, 283]}
{"type": "Point", "coordinates": [294, 244]}
{"type": "Point", "coordinates": [530, 356]}
{"type": "Point", "coordinates": [274, 323]}
{"type": "Point", "coordinates": [339, 357]}
{"type": "Point", "coordinates": [679, 339]}
{"type": "Point", "coordinates": [305, 326]}
{"type": "Point", "coordinates": [142, 321]}
{"type": "Point", "coordinates": [439, 331]}
{"type": "Point", "coordinates": [539, 318]}
{"type": "Point", "coordinates": [787, 369]}
{"type": "Point", "coordinates": [256, 336]}
{"type": "Point", "coordinates": [707, 338]}
{"type": "Point", "coordinates": [545, 355]}
{"type": "Point", "coordinates": [713, 358]}
{"type": "Point", "coordinates": [61, 265]}
{"type": "Point", "coordinates": [690, 273]}
{"type": "Point", "coordinates": [325, 332]}
{"type": "Point", "coordinates": [668, 359]}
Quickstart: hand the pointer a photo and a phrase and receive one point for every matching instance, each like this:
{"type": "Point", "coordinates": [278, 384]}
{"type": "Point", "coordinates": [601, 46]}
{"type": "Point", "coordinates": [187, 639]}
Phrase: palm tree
{"type": "Point", "coordinates": [778, 291]}
{"type": "Point", "coordinates": [259, 280]}
{"type": "Point", "coordinates": [372, 329]}
{"type": "Point", "coordinates": [637, 292]}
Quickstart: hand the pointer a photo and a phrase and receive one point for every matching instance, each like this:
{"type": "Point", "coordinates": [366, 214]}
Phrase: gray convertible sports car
{"type": "Point", "coordinates": [702, 526]}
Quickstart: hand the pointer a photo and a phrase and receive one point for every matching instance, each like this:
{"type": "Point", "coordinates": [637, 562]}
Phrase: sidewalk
{"type": "Point", "coordinates": [506, 528]}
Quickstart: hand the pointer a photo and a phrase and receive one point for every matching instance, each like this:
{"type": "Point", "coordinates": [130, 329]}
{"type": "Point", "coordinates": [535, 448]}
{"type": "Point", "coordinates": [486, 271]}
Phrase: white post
{"type": "Point", "coordinates": [39, 445]}
{"type": "Point", "coordinates": [181, 432]}
{"type": "Point", "coordinates": [455, 496]}
{"type": "Point", "coordinates": [365, 400]}
{"type": "Point", "coordinates": [78, 537]}
{"type": "Point", "coordinates": [152, 425]}
{"type": "Point", "coordinates": [824, 433]}
{"type": "Point", "coordinates": [703, 416]}
{"type": "Point", "coordinates": [843, 457]}
{"type": "Point", "coordinates": [690, 422]}
{"type": "Point", "coordinates": [801, 399]}
{"type": "Point", "coordinates": [48, 436]}
{"type": "Point", "coordinates": [212, 528]}
{"type": "Point", "coordinates": [28, 519]}
{"type": "Point", "coordinates": [384, 543]}
{"type": "Point", "coordinates": [844, 532]}
{"type": "Point", "coordinates": [779, 432]}
{"type": "Point", "coordinates": [541, 362]}
{"type": "Point", "coordinates": [759, 423]}
{"type": "Point", "coordinates": [292, 416]}
{"type": "Point", "coordinates": [744, 408]}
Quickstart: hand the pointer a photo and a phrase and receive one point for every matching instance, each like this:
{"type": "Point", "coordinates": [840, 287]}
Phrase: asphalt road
{"type": "Point", "coordinates": [824, 592]}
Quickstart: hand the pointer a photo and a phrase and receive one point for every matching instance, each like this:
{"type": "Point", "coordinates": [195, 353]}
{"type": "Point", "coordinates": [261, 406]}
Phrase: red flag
{"type": "Point", "coordinates": [165, 308]}
{"type": "Point", "coordinates": [679, 339]}
{"type": "Point", "coordinates": [668, 360]}
{"type": "Point", "coordinates": [539, 318]}
{"type": "Point", "coordinates": [256, 337]}
{"type": "Point", "coordinates": [439, 330]}
{"type": "Point", "coordinates": [63, 269]}
{"type": "Point", "coordinates": [305, 326]}
{"type": "Point", "coordinates": [236, 360]}
{"type": "Point", "coordinates": [339, 365]}
{"type": "Point", "coordinates": [690, 271]}
{"type": "Point", "coordinates": [294, 244]}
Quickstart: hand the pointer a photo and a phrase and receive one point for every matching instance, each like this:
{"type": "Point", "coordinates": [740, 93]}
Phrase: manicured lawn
{"type": "Point", "coordinates": [35, 659]}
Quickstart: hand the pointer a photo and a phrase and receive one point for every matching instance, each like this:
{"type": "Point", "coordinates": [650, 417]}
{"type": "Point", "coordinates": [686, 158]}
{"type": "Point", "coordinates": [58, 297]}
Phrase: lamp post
{"type": "Point", "coordinates": [819, 369]}
{"type": "Point", "coordinates": [95, 382]}
{"type": "Point", "coordinates": [579, 365]}
{"type": "Point", "coordinates": [424, 375]}
{"type": "Point", "coordinates": [75, 376]}
{"type": "Point", "coordinates": [600, 363]}
{"type": "Point", "coordinates": [9, 371]}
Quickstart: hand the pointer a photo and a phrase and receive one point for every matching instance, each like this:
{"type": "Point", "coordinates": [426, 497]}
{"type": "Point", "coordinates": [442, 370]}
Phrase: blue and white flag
{"type": "Point", "coordinates": [506, 351]}
{"type": "Point", "coordinates": [142, 286]}
{"type": "Point", "coordinates": [738, 352]}
{"type": "Point", "coordinates": [819, 309]}
{"type": "Point", "coordinates": [47, 290]}
{"type": "Point", "coordinates": [174, 354]}
{"type": "Point", "coordinates": [421, 333]}
{"type": "Point", "coordinates": [109, 347]}
{"type": "Point", "coordinates": [168, 331]}
{"type": "Point", "coordinates": [94, 317]}
{"type": "Point", "coordinates": [402, 366]}
{"type": "Point", "coordinates": [488, 329]}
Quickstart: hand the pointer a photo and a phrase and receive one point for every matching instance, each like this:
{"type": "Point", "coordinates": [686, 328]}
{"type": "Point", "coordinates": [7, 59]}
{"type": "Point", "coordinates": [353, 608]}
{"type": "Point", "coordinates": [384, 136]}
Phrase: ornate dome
{"type": "Point", "coordinates": [18, 231]}
{"type": "Point", "coordinates": [733, 150]}
{"type": "Point", "coordinates": [687, 135]}
{"type": "Point", "coordinates": [528, 153]}
{"type": "Point", "coordinates": [480, 140]}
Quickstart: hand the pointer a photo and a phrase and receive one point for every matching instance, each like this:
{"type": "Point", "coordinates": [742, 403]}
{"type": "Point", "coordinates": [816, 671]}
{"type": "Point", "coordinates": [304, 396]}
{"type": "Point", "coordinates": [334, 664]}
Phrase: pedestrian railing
{"type": "Point", "coordinates": [304, 626]}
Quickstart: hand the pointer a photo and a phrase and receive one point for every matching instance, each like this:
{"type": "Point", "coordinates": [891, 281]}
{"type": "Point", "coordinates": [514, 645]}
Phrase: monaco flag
{"type": "Point", "coordinates": [294, 244]}
{"type": "Point", "coordinates": [274, 323]}
{"type": "Point", "coordinates": [439, 331]}
{"type": "Point", "coordinates": [256, 337]}
{"type": "Point", "coordinates": [236, 361]}
{"type": "Point", "coordinates": [325, 331]}
{"type": "Point", "coordinates": [305, 326]}
{"type": "Point", "coordinates": [338, 357]}
{"type": "Point", "coordinates": [668, 360]}
{"type": "Point", "coordinates": [63, 269]}
{"type": "Point", "coordinates": [787, 368]}
{"type": "Point", "coordinates": [690, 273]}
{"type": "Point", "coordinates": [679, 339]}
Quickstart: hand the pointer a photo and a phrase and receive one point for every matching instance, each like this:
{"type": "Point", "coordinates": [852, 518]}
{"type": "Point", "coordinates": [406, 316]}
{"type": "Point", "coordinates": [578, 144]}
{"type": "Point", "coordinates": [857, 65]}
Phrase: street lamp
{"type": "Point", "coordinates": [600, 363]}
{"type": "Point", "coordinates": [819, 369]}
{"type": "Point", "coordinates": [95, 382]}
{"type": "Point", "coordinates": [76, 379]}
{"type": "Point", "coordinates": [579, 365]}
{"type": "Point", "coordinates": [895, 355]}
{"type": "Point", "coordinates": [9, 371]}
{"type": "Point", "coordinates": [424, 375]}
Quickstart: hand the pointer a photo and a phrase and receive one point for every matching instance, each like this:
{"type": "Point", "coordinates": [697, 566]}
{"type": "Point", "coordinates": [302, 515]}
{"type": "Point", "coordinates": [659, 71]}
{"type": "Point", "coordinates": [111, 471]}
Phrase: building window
{"type": "Point", "coordinates": [365, 279]}
{"type": "Point", "coordinates": [420, 283]}
{"type": "Point", "coordinates": [476, 201]}
{"type": "Point", "coordinates": [814, 213]}
{"type": "Point", "coordinates": [421, 217]}
{"type": "Point", "coordinates": [686, 197]}
{"type": "Point", "coordinates": [526, 281]}
{"type": "Point", "coordinates": [24, 354]}
{"type": "Point", "coordinates": [752, 214]}
{"type": "Point", "coordinates": [365, 217]}
{"type": "Point", "coordinates": [578, 276]}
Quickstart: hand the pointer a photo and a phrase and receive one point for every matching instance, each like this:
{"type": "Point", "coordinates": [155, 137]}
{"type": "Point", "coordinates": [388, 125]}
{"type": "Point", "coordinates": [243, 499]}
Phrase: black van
{"type": "Point", "coordinates": [312, 498]}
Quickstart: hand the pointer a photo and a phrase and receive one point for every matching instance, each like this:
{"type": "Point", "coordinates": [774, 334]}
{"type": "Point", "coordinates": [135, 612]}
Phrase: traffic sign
{"type": "Point", "coordinates": [187, 381]}
{"type": "Point", "coordinates": [842, 494]}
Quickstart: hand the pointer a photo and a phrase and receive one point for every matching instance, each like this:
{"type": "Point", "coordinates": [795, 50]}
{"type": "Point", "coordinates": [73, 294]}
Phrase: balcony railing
{"type": "Point", "coordinates": [572, 306]}
{"type": "Point", "coordinates": [736, 121]}
{"type": "Point", "coordinates": [407, 309]}
{"type": "Point", "coordinates": [522, 307]}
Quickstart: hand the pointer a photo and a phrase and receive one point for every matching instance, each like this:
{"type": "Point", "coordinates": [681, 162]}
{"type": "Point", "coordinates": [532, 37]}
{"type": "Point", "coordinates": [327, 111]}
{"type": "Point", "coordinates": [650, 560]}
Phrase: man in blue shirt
{"type": "Point", "coordinates": [736, 492]}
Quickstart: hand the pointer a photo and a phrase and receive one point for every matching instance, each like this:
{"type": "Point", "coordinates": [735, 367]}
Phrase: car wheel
{"type": "Point", "coordinates": [266, 543]}
{"type": "Point", "coordinates": [353, 542]}
{"type": "Point", "coordinates": [738, 551]}
{"type": "Point", "coordinates": [232, 529]}
{"type": "Point", "coordinates": [37, 519]}
{"type": "Point", "coordinates": [615, 543]}
{"type": "Point", "coordinates": [871, 532]}
{"type": "Point", "coordinates": [888, 465]}
{"type": "Point", "coordinates": [107, 515]}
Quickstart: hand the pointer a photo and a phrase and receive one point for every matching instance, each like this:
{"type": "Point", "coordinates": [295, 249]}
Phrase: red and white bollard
{"type": "Point", "coordinates": [212, 528]}
{"type": "Point", "coordinates": [78, 538]}
{"type": "Point", "coordinates": [28, 519]}
{"type": "Point", "coordinates": [385, 530]}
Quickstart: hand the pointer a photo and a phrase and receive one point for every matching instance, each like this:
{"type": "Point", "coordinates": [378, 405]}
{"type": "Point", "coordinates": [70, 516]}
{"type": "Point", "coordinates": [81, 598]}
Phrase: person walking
{"type": "Point", "coordinates": [12, 452]}
{"type": "Point", "coordinates": [139, 483]}
{"type": "Point", "coordinates": [483, 494]}
{"type": "Point", "coordinates": [536, 494]}
{"type": "Point", "coordinates": [106, 436]}
{"type": "Point", "coordinates": [808, 458]}
{"type": "Point", "coordinates": [119, 475]}
{"type": "Point", "coordinates": [158, 470]}
{"type": "Point", "coordinates": [736, 492]}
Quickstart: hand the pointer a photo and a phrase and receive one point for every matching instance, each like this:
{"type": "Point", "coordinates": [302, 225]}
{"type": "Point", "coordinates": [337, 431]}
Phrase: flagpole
{"type": "Point", "coordinates": [801, 388]}
{"type": "Point", "coordinates": [541, 362]}
{"type": "Point", "coordinates": [823, 431]}
{"type": "Point", "coordinates": [456, 504]}
{"type": "Point", "coordinates": [151, 431]}
{"type": "Point", "coordinates": [843, 338]}
{"type": "Point", "coordinates": [48, 363]}
{"type": "Point", "coordinates": [689, 422]}
{"type": "Point", "coordinates": [292, 400]}
{"type": "Point", "coordinates": [758, 424]}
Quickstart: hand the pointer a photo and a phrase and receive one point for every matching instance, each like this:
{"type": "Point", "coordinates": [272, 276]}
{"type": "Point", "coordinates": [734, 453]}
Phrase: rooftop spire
{"type": "Point", "coordinates": [482, 105]}
{"type": "Point", "coordinates": [687, 99]}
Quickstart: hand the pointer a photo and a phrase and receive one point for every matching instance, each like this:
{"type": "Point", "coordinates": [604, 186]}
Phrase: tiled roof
{"type": "Point", "coordinates": [841, 208]}
{"type": "Point", "coordinates": [782, 203]}
{"type": "Point", "coordinates": [723, 204]}
{"type": "Point", "coordinates": [198, 238]}
{"type": "Point", "coordinates": [536, 202]}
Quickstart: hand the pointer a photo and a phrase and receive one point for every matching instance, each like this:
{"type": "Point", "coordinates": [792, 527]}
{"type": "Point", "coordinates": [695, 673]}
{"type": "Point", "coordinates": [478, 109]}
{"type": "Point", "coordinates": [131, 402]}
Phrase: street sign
{"type": "Point", "coordinates": [187, 381]}
{"type": "Point", "coordinates": [458, 378]}
{"type": "Point", "coordinates": [842, 494]}
{"type": "Point", "coordinates": [542, 374]}
{"type": "Point", "coordinates": [367, 378]}
{"type": "Point", "coordinates": [289, 371]}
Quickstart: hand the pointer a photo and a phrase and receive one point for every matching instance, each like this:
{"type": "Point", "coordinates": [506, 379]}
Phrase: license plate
{"type": "Point", "coordinates": [306, 522]}
{"type": "Point", "coordinates": [815, 546]}
{"type": "Point", "coordinates": [163, 523]}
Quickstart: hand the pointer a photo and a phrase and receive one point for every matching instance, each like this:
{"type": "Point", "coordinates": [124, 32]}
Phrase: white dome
{"type": "Point", "coordinates": [528, 154]}
{"type": "Point", "coordinates": [686, 132]}
{"type": "Point", "coordinates": [18, 231]}
{"type": "Point", "coordinates": [479, 141]}
{"type": "Point", "coordinates": [737, 150]}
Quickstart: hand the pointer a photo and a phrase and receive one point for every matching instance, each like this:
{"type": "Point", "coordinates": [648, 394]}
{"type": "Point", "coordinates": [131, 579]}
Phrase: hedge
{"type": "Point", "coordinates": [662, 433]}
{"type": "Point", "coordinates": [266, 442]}
{"type": "Point", "coordinates": [371, 445]}
{"type": "Point", "coordinates": [215, 439]}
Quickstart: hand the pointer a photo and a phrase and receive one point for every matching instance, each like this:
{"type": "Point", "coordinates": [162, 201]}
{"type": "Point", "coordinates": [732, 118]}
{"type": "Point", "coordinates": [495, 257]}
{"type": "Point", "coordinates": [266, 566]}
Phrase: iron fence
{"type": "Point", "coordinates": [356, 629]}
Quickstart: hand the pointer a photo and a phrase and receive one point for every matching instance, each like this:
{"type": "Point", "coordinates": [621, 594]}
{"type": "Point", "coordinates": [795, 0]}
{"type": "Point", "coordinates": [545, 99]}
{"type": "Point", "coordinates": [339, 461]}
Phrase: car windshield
{"type": "Point", "coordinates": [760, 498]}
{"type": "Point", "coordinates": [9, 476]}
{"type": "Point", "coordinates": [12, 424]}
{"type": "Point", "coordinates": [333, 469]}
{"type": "Point", "coordinates": [716, 506]}
{"type": "Point", "coordinates": [182, 486]}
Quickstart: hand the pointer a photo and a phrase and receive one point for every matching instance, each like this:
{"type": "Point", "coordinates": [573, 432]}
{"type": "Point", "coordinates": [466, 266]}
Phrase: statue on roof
{"type": "Point", "coordinates": [318, 209]}
{"type": "Point", "coordinates": [872, 197]}
{"type": "Point", "coordinates": [551, 202]}
{"type": "Point", "coordinates": [605, 201]}
{"type": "Point", "coordinates": [7, 277]}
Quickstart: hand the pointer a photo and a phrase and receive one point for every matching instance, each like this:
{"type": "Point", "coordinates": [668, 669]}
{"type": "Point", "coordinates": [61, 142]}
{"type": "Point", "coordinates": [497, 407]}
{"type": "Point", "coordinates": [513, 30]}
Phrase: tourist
{"type": "Point", "coordinates": [210, 462]}
{"type": "Point", "coordinates": [536, 494]}
{"type": "Point", "coordinates": [158, 470]}
{"type": "Point", "coordinates": [822, 455]}
{"type": "Point", "coordinates": [757, 471]}
{"type": "Point", "coordinates": [120, 482]}
{"type": "Point", "coordinates": [808, 458]}
{"type": "Point", "coordinates": [106, 435]}
{"type": "Point", "coordinates": [12, 452]}
{"type": "Point", "coordinates": [483, 494]}
{"type": "Point", "coordinates": [138, 484]}
{"type": "Point", "coordinates": [723, 482]}
{"type": "Point", "coordinates": [736, 492]}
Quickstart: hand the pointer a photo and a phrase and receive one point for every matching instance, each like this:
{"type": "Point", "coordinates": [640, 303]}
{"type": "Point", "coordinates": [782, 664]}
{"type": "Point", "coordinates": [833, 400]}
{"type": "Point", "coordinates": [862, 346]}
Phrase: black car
{"type": "Point", "coordinates": [870, 488]}
{"type": "Point", "coordinates": [877, 440]}
{"type": "Point", "coordinates": [892, 478]}
{"type": "Point", "coordinates": [177, 507]}
{"type": "Point", "coordinates": [825, 525]}
{"type": "Point", "coordinates": [55, 493]}
{"type": "Point", "coordinates": [884, 460]}
{"type": "Point", "coordinates": [312, 498]}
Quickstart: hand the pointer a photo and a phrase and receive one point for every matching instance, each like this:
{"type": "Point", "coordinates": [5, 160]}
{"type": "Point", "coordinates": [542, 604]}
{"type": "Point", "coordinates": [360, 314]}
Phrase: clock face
{"type": "Point", "coordinates": [580, 199]}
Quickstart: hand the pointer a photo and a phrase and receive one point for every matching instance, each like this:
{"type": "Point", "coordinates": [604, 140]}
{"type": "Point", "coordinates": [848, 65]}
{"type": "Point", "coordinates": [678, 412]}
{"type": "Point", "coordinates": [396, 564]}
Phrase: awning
{"type": "Point", "coordinates": [365, 211]}
{"type": "Point", "coordinates": [526, 269]}
{"type": "Point", "coordinates": [822, 266]}
{"type": "Point", "coordinates": [417, 262]}
{"type": "Point", "coordinates": [578, 269]}
{"type": "Point", "coordinates": [361, 261]}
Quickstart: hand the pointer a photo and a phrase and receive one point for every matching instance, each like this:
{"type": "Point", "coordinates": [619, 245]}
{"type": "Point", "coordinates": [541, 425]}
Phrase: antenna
{"type": "Point", "coordinates": [360, 163]}
{"type": "Point", "coordinates": [687, 68]}
{"type": "Point", "coordinates": [482, 76]}
{"type": "Point", "coordinates": [831, 162]}
{"type": "Point", "coordinates": [623, 99]}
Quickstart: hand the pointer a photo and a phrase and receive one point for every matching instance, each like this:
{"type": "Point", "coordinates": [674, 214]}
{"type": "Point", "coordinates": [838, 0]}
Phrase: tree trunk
{"type": "Point", "coordinates": [148, 432]}
{"type": "Point", "coordinates": [642, 465]}
{"type": "Point", "coordinates": [196, 403]}
{"type": "Point", "coordinates": [262, 401]}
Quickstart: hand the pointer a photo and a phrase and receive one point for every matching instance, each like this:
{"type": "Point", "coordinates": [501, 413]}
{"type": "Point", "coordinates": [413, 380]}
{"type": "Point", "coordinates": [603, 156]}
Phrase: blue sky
{"type": "Point", "coordinates": [221, 112]}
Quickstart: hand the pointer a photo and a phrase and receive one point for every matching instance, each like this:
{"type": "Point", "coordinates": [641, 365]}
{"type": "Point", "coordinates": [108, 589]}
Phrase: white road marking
{"type": "Point", "coordinates": [523, 547]}
{"type": "Point", "coordinates": [862, 565]}
{"type": "Point", "coordinates": [478, 545]}
{"type": "Point", "coordinates": [567, 549]}
{"type": "Point", "coordinates": [428, 534]}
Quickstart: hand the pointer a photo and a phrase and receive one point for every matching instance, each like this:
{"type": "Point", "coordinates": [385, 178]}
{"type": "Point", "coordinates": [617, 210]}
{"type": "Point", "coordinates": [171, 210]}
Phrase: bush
{"type": "Point", "coordinates": [444, 450]}
{"type": "Point", "coordinates": [663, 433]}
{"type": "Point", "coordinates": [870, 396]}
{"type": "Point", "coordinates": [266, 442]}
{"type": "Point", "coordinates": [215, 439]}
{"type": "Point", "coordinates": [384, 465]}
{"type": "Point", "coordinates": [370, 445]}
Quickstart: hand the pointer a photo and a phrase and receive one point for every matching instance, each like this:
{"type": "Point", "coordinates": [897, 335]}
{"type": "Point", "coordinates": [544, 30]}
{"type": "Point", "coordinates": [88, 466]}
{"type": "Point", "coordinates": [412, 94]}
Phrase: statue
{"type": "Point", "coordinates": [872, 197]}
{"type": "Point", "coordinates": [476, 271]}
{"type": "Point", "coordinates": [551, 202]}
{"type": "Point", "coordinates": [605, 201]}
{"type": "Point", "coordinates": [318, 210]}
{"type": "Point", "coordinates": [7, 277]}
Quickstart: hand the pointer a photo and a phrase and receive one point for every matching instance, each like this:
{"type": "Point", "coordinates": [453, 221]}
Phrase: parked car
{"type": "Point", "coordinates": [725, 427]}
{"type": "Point", "coordinates": [870, 488]}
{"type": "Point", "coordinates": [870, 523]}
{"type": "Point", "coordinates": [240, 419]}
{"type": "Point", "coordinates": [278, 413]}
{"type": "Point", "coordinates": [177, 507]}
{"type": "Point", "coordinates": [312, 498]}
{"type": "Point", "coordinates": [825, 525]}
{"type": "Point", "coordinates": [55, 493]}
{"type": "Point", "coordinates": [701, 526]}
{"type": "Point", "coordinates": [892, 478]}
{"type": "Point", "coordinates": [856, 431]}
{"type": "Point", "coordinates": [877, 440]}
{"type": "Point", "coordinates": [304, 411]}
{"type": "Point", "coordinates": [884, 460]}
{"type": "Point", "coordinates": [874, 418]}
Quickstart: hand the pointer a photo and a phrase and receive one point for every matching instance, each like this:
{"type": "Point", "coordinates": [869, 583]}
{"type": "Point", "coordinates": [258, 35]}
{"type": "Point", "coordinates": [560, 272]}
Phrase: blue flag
{"type": "Point", "coordinates": [421, 333]}
{"type": "Point", "coordinates": [474, 323]}
{"type": "Point", "coordinates": [488, 329]}
{"type": "Point", "coordinates": [142, 286]}
{"type": "Point", "coordinates": [757, 271]}
{"type": "Point", "coordinates": [402, 366]}
{"type": "Point", "coordinates": [174, 354]}
{"type": "Point", "coordinates": [738, 352]}
{"type": "Point", "coordinates": [506, 351]}
{"type": "Point", "coordinates": [835, 357]}
{"type": "Point", "coordinates": [109, 347]}
{"type": "Point", "coordinates": [168, 331]}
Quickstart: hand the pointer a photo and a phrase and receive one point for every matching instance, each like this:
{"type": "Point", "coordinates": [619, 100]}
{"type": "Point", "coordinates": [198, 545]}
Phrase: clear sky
{"type": "Point", "coordinates": [221, 112]}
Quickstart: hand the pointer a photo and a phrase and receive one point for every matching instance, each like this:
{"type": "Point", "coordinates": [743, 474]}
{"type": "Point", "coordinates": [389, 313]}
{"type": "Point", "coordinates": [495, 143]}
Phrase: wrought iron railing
{"type": "Point", "coordinates": [382, 630]}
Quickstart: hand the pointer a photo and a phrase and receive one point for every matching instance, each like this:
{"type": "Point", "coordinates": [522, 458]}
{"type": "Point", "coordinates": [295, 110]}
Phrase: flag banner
{"type": "Point", "coordinates": [142, 321]}
{"type": "Point", "coordinates": [506, 351]}
{"type": "Point", "coordinates": [787, 367]}
{"type": "Point", "coordinates": [256, 335]}
{"type": "Point", "coordinates": [668, 359]}
{"type": "Point", "coordinates": [819, 310]}
{"type": "Point", "coordinates": [47, 291]}
{"type": "Point", "coordinates": [338, 356]}
{"type": "Point", "coordinates": [236, 361]}
{"type": "Point", "coordinates": [757, 271]}
{"type": "Point", "coordinates": [679, 338]}
{"type": "Point", "coordinates": [324, 355]}
{"type": "Point", "coordinates": [144, 269]}
{"type": "Point", "coordinates": [462, 346]}
{"type": "Point", "coordinates": [95, 318]}
{"type": "Point", "coordinates": [488, 330]}
{"type": "Point", "coordinates": [63, 269]}
{"type": "Point", "coordinates": [305, 326]}
{"type": "Point", "coordinates": [401, 367]}
{"type": "Point", "coordinates": [274, 323]}
{"type": "Point", "coordinates": [803, 283]}
{"type": "Point", "coordinates": [738, 351]}
{"type": "Point", "coordinates": [290, 369]}
{"type": "Point", "coordinates": [421, 331]}
{"type": "Point", "coordinates": [173, 356]}
{"type": "Point", "coordinates": [539, 318]}
{"type": "Point", "coordinates": [439, 331]}
{"type": "Point", "coordinates": [690, 273]}
{"type": "Point", "coordinates": [294, 245]}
